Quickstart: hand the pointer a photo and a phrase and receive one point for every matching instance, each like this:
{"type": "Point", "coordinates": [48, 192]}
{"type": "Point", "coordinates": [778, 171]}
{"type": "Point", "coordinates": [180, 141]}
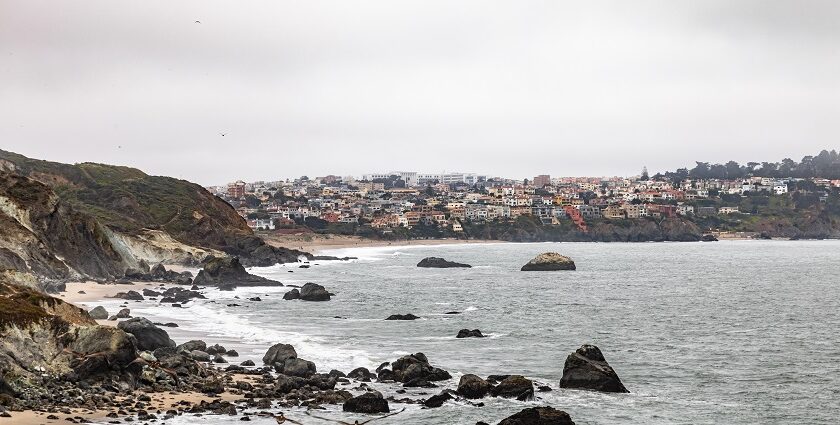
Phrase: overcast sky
{"type": "Point", "coordinates": [513, 88]}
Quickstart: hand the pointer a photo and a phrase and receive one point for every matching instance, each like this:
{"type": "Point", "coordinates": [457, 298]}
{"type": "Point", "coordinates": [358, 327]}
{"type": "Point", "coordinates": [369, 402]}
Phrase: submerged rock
{"type": "Point", "coordinates": [538, 416]}
{"type": "Point", "coordinates": [549, 261]}
{"type": "Point", "coordinates": [402, 317]}
{"type": "Point", "coordinates": [587, 369]}
{"type": "Point", "coordinates": [440, 263]}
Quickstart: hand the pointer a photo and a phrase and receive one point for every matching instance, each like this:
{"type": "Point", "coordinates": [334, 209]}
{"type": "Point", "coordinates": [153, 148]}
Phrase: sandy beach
{"type": "Point", "coordinates": [316, 243]}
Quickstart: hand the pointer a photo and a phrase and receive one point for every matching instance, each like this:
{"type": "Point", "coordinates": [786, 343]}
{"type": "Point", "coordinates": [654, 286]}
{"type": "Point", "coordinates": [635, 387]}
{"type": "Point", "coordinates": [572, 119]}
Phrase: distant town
{"type": "Point", "coordinates": [445, 204]}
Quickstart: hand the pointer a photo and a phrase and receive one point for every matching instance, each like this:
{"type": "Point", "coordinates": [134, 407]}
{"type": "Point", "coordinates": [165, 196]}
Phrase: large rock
{"type": "Point", "coordinates": [472, 386]}
{"type": "Point", "coordinates": [514, 386]}
{"type": "Point", "coordinates": [279, 353]}
{"type": "Point", "coordinates": [416, 367]}
{"type": "Point", "coordinates": [296, 367]}
{"type": "Point", "coordinates": [115, 346]}
{"type": "Point", "coordinates": [440, 263]}
{"type": "Point", "coordinates": [193, 345]}
{"type": "Point", "coordinates": [538, 416]}
{"type": "Point", "coordinates": [228, 273]}
{"type": "Point", "coordinates": [367, 403]}
{"type": "Point", "coordinates": [98, 313]}
{"type": "Point", "coordinates": [587, 369]}
{"type": "Point", "coordinates": [314, 292]}
{"type": "Point", "coordinates": [466, 333]}
{"type": "Point", "coordinates": [549, 261]}
{"type": "Point", "coordinates": [149, 337]}
{"type": "Point", "coordinates": [130, 296]}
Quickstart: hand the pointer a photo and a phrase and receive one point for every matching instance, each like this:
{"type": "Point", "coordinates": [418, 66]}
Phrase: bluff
{"type": "Point", "coordinates": [141, 217]}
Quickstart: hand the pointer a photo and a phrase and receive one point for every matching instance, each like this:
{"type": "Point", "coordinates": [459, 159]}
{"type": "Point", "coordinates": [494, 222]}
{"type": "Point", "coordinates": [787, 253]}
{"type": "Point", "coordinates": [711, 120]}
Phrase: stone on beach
{"type": "Point", "coordinates": [98, 313]}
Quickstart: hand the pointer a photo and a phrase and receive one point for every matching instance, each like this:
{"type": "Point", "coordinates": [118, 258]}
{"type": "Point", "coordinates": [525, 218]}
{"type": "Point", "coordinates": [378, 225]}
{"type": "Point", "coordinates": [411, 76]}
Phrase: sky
{"type": "Point", "coordinates": [264, 90]}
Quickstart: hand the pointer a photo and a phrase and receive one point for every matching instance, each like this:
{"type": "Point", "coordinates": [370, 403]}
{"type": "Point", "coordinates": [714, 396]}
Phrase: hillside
{"type": "Point", "coordinates": [147, 217]}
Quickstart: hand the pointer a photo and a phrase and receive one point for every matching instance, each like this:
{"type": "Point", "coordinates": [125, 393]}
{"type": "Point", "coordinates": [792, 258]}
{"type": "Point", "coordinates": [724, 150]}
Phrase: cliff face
{"type": "Point", "coordinates": [43, 237]}
{"type": "Point", "coordinates": [136, 216]}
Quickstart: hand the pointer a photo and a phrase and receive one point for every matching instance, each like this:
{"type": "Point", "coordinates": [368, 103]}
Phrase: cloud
{"type": "Point", "coordinates": [497, 87]}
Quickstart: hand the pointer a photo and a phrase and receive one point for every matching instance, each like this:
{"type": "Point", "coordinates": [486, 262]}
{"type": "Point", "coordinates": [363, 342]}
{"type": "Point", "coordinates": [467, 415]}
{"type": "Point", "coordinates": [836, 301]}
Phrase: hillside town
{"type": "Point", "coordinates": [388, 201]}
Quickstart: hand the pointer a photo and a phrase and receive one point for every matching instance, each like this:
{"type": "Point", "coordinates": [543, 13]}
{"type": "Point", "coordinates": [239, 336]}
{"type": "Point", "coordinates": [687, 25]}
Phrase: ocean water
{"type": "Point", "coordinates": [735, 332]}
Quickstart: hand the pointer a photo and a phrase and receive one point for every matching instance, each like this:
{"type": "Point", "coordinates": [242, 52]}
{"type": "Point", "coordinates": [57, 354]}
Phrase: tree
{"type": "Point", "coordinates": [645, 176]}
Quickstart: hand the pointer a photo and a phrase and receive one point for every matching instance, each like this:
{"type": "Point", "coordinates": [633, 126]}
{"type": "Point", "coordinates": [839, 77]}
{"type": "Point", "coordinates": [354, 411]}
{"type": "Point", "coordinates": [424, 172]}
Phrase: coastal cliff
{"type": "Point", "coordinates": [61, 221]}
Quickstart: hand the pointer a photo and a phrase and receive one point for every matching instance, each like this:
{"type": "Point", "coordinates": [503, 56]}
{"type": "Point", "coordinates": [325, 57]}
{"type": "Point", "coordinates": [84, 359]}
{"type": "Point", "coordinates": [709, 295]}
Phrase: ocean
{"type": "Point", "coordinates": [733, 332]}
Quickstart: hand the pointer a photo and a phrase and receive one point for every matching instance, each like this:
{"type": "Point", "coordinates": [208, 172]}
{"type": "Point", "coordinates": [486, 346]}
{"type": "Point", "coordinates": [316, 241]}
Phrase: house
{"type": "Point", "coordinates": [728, 210]}
{"type": "Point", "coordinates": [613, 212]}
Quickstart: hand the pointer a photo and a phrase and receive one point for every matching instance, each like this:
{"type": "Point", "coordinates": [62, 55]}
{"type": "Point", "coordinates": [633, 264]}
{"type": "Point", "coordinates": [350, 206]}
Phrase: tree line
{"type": "Point", "coordinates": [824, 165]}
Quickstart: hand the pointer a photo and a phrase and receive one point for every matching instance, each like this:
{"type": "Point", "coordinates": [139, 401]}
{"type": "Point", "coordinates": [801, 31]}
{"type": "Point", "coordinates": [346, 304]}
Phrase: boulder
{"type": "Point", "coordinates": [549, 261]}
{"type": "Point", "coordinates": [538, 416]}
{"type": "Point", "coordinates": [369, 403]}
{"type": "Point", "coordinates": [294, 294]}
{"type": "Point", "coordinates": [106, 347]}
{"type": "Point", "coordinates": [514, 386]}
{"type": "Point", "coordinates": [248, 363]}
{"type": "Point", "coordinates": [416, 367]}
{"type": "Point", "coordinates": [279, 353]}
{"type": "Point", "coordinates": [193, 346]}
{"type": "Point", "coordinates": [216, 349]}
{"type": "Point", "coordinates": [130, 296]}
{"type": "Point", "coordinates": [438, 399]}
{"type": "Point", "coordinates": [587, 369]}
{"type": "Point", "coordinates": [473, 387]}
{"type": "Point", "coordinates": [440, 263]}
{"type": "Point", "coordinates": [199, 355]}
{"type": "Point", "coordinates": [123, 314]}
{"type": "Point", "coordinates": [296, 367]}
{"type": "Point", "coordinates": [466, 333]}
{"type": "Point", "coordinates": [361, 374]}
{"type": "Point", "coordinates": [228, 273]}
{"type": "Point", "coordinates": [149, 337]}
{"type": "Point", "coordinates": [314, 292]}
{"type": "Point", "coordinates": [98, 313]}
{"type": "Point", "coordinates": [402, 317]}
{"type": "Point", "coordinates": [150, 293]}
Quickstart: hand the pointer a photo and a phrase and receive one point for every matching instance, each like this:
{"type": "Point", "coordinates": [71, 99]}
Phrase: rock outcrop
{"type": "Point", "coordinates": [549, 261]}
{"type": "Point", "coordinates": [440, 263]}
{"type": "Point", "coordinates": [228, 273]}
{"type": "Point", "coordinates": [538, 416]}
{"type": "Point", "coordinates": [587, 369]}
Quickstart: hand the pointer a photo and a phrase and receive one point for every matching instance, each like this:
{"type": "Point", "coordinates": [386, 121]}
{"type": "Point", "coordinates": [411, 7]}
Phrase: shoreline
{"type": "Point", "coordinates": [316, 243]}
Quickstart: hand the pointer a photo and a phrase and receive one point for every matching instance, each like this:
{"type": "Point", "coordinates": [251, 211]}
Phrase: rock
{"type": "Point", "coordinates": [248, 363]}
{"type": "Point", "coordinates": [228, 273]}
{"type": "Point", "coordinates": [279, 353]}
{"type": "Point", "coordinates": [587, 369]}
{"type": "Point", "coordinates": [150, 293]}
{"type": "Point", "coordinates": [466, 333]}
{"type": "Point", "coordinates": [314, 292]}
{"type": "Point", "coordinates": [473, 387]}
{"type": "Point", "coordinates": [549, 261]}
{"type": "Point", "coordinates": [361, 374]}
{"type": "Point", "coordinates": [402, 317]}
{"type": "Point", "coordinates": [514, 386]}
{"type": "Point", "coordinates": [232, 353]}
{"type": "Point", "coordinates": [369, 403]}
{"type": "Point", "coordinates": [538, 416]}
{"type": "Point", "coordinates": [416, 366]}
{"type": "Point", "coordinates": [130, 295]}
{"type": "Point", "coordinates": [219, 359]}
{"type": "Point", "coordinates": [123, 314]}
{"type": "Point", "coordinates": [438, 399]}
{"type": "Point", "coordinates": [199, 355]}
{"type": "Point", "coordinates": [439, 263]}
{"type": "Point", "coordinates": [216, 349]}
{"type": "Point", "coordinates": [296, 367]}
{"type": "Point", "coordinates": [708, 238]}
{"type": "Point", "coordinates": [149, 337]}
{"type": "Point", "coordinates": [114, 348]}
{"type": "Point", "coordinates": [98, 313]}
{"type": "Point", "coordinates": [294, 294]}
{"type": "Point", "coordinates": [193, 346]}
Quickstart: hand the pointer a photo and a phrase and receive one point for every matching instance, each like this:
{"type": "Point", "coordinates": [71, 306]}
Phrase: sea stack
{"type": "Point", "coordinates": [549, 261]}
{"type": "Point", "coordinates": [587, 369]}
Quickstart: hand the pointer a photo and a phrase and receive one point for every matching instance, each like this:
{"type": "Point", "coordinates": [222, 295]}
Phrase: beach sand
{"type": "Point", "coordinates": [316, 244]}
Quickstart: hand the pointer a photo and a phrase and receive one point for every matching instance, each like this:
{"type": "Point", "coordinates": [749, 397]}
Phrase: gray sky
{"type": "Point", "coordinates": [514, 88]}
